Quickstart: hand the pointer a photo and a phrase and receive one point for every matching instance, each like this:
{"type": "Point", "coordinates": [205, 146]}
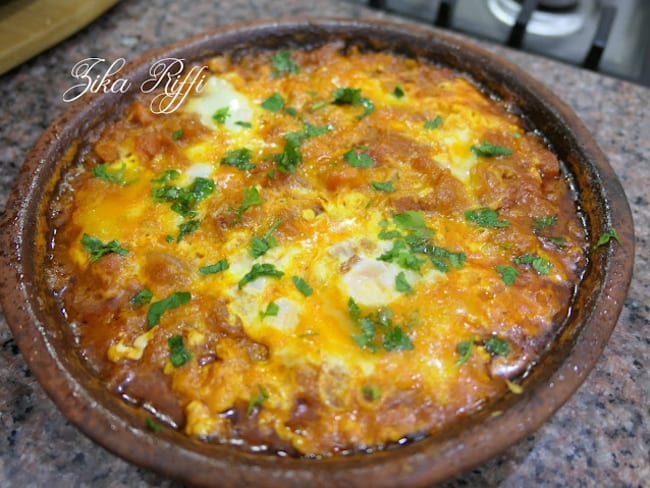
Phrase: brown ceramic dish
{"type": "Point", "coordinates": [45, 340]}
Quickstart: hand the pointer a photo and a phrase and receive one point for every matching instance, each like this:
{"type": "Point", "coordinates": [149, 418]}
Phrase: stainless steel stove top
{"type": "Point", "coordinates": [609, 36]}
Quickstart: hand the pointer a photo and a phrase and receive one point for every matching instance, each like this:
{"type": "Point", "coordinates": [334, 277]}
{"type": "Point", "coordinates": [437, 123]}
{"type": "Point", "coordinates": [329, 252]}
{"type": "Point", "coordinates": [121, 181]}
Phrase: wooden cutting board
{"type": "Point", "coordinates": [28, 27]}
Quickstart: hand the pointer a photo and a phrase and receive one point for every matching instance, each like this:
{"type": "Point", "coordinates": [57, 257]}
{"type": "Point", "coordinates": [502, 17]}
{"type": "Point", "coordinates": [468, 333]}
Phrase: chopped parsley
{"type": "Point", "coordinates": [177, 134]}
{"type": "Point", "coordinates": [221, 115]}
{"type": "Point", "coordinates": [243, 123]}
{"type": "Point", "coordinates": [371, 393]}
{"type": "Point", "coordinates": [315, 130]}
{"type": "Point", "coordinates": [187, 228]}
{"type": "Point", "coordinates": [178, 353]}
{"type": "Point", "coordinates": [166, 176]}
{"type": "Point", "coordinates": [184, 200]}
{"type": "Point", "coordinates": [508, 273]}
{"type": "Point", "coordinates": [252, 197]}
{"type": "Point", "coordinates": [302, 286]}
{"type": "Point", "coordinates": [386, 186]}
{"type": "Point", "coordinates": [433, 124]}
{"type": "Point", "coordinates": [97, 248]}
{"type": "Point", "coordinates": [143, 297]}
{"type": "Point", "coordinates": [409, 220]}
{"type": "Point", "coordinates": [398, 92]}
{"type": "Point", "coordinates": [239, 158]}
{"type": "Point", "coordinates": [272, 310]}
{"type": "Point", "coordinates": [486, 217]}
{"type": "Point", "coordinates": [548, 221]}
{"type": "Point", "coordinates": [289, 159]}
{"type": "Point", "coordinates": [496, 346]}
{"type": "Point", "coordinates": [352, 96]}
{"type": "Point", "coordinates": [153, 426]}
{"type": "Point", "coordinates": [607, 236]}
{"type": "Point", "coordinates": [217, 267]}
{"type": "Point", "coordinates": [558, 241]}
{"type": "Point", "coordinates": [442, 258]}
{"type": "Point", "coordinates": [401, 285]}
{"type": "Point", "coordinates": [358, 159]}
{"type": "Point", "coordinates": [257, 401]}
{"type": "Point", "coordinates": [291, 111]}
{"type": "Point", "coordinates": [353, 309]}
{"type": "Point", "coordinates": [539, 264]}
{"type": "Point", "coordinates": [465, 350]}
{"type": "Point", "coordinates": [487, 149]}
{"type": "Point", "coordinates": [402, 255]}
{"type": "Point", "coordinates": [258, 271]}
{"type": "Point", "coordinates": [274, 103]}
{"type": "Point", "coordinates": [116, 177]}
{"type": "Point", "coordinates": [396, 340]}
{"type": "Point", "coordinates": [260, 245]}
{"type": "Point", "coordinates": [317, 105]}
{"type": "Point", "coordinates": [378, 331]}
{"type": "Point", "coordinates": [283, 64]}
{"type": "Point", "coordinates": [156, 309]}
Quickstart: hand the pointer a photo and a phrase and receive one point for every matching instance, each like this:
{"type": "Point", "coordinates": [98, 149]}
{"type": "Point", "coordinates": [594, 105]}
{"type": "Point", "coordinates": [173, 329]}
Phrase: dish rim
{"type": "Point", "coordinates": [95, 411]}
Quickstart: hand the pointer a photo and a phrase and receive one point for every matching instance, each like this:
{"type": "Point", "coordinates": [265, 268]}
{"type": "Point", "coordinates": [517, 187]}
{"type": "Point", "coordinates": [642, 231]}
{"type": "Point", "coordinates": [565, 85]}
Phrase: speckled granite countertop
{"type": "Point", "coordinates": [601, 437]}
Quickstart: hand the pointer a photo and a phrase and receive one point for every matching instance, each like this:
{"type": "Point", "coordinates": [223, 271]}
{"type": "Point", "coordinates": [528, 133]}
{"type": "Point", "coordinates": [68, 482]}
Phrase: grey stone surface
{"type": "Point", "coordinates": [601, 437]}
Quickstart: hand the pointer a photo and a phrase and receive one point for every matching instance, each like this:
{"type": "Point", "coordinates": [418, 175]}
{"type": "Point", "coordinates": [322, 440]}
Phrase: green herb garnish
{"type": "Point", "coordinates": [178, 353]}
{"type": "Point", "coordinates": [358, 159]}
{"type": "Point", "coordinates": [156, 309]}
{"type": "Point", "coordinates": [217, 267]}
{"type": "Point", "coordinates": [177, 134]}
{"type": "Point", "coordinates": [547, 221]}
{"type": "Point", "coordinates": [539, 264]}
{"type": "Point", "coordinates": [486, 217]}
{"type": "Point", "coordinates": [377, 330]}
{"type": "Point", "coordinates": [183, 200]}
{"type": "Point", "coordinates": [465, 351]}
{"type": "Point", "coordinates": [487, 149]}
{"type": "Point", "coordinates": [239, 158]}
{"type": "Point", "coordinates": [221, 115]}
{"type": "Point", "coordinates": [496, 346]}
{"type": "Point", "coordinates": [283, 64]}
{"type": "Point", "coordinates": [302, 286]}
{"type": "Point", "coordinates": [260, 245]}
{"type": "Point", "coordinates": [508, 274]}
{"type": "Point", "coordinates": [442, 258]}
{"type": "Point", "coordinates": [274, 103]}
{"type": "Point", "coordinates": [371, 393]}
{"type": "Point", "coordinates": [166, 176]}
{"type": "Point", "coordinates": [607, 236]}
{"type": "Point", "coordinates": [153, 426]}
{"type": "Point", "coordinates": [352, 96]}
{"type": "Point", "coordinates": [143, 297]}
{"type": "Point", "coordinates": [433, 124]}
{"type": "Point", "coordinates": [116, 177]}
{"type": "Point", "coordinates": [386, 186]}
{"type": "Point", "coordinates": [97, 248]}
{"type": "Point", "coordinates": [259, 270]}
{"type": "Point", "coordinates": [243, 123]}
{"type": "Point", "coordinates": [272, 310]}
{"type": "Point", "coordinates": [289, 159]}
{"type": "Point", "coordinates": [252, 197]}
{"type": "Point", "coordinates": [187, 228]}
{"type": "Point", "coordinates": [401, 285]}
{"type": "Point", "coordinates": [258, 400]}
{"type": "Point", "coordinates": [396, 340]}
{"type": "Point", "coordinates": [398, 92]}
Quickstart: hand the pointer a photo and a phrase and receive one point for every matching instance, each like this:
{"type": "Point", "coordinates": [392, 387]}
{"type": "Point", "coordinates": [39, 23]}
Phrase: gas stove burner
{"type": "Point", "coordinates": [553, 18]}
